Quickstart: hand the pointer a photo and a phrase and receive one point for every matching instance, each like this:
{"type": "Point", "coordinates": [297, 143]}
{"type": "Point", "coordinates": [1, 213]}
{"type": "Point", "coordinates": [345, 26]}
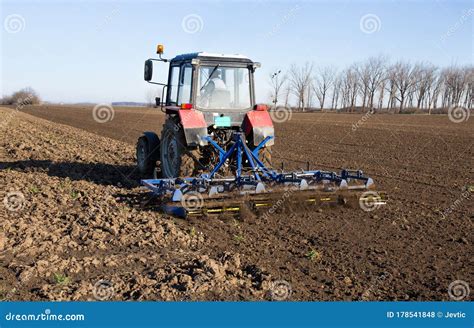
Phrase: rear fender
{"type": "Point", "coordinates": [194, 127]}
{"type": "Point", "coordinates": [259, 125]}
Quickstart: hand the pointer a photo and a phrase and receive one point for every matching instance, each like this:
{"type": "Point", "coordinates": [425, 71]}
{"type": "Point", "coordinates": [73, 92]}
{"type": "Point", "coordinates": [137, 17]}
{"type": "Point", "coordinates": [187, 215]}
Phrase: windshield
{"type": "Point", "coordinates": [221, 87]}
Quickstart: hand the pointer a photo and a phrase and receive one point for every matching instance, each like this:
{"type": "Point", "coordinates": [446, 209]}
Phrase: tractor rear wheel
{"type": "Point", "coordinates": [177, 159]}
{"type": "Point", "coordinates": [265, 156]}
{"type": "Point", "coordinates": [146, 166]}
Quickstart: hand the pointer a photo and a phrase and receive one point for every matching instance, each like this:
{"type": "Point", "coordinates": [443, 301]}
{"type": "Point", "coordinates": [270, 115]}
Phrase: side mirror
{"type": "Point", "coordinates": [158, 101]}
{"type": "Point", "coordinates": [148, 73]}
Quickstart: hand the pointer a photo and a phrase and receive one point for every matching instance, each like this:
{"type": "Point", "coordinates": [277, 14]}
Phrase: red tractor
{"type": "Point", "coordinates": [207, 95]}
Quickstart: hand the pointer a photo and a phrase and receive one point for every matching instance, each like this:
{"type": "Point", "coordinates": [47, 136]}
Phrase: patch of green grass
{"type": "Point", "coordinates": [34, 189]}
{"type": "Point", "coordinates": [192, 231]}
{"type": "Point", "coordinates": [61, 279]}
{"type": "Point", "coordinates": [239, 238]}
{"type": "Point", "coordinates": [74, 194]}
{"type": "Point", "coordinates": [313, 255]}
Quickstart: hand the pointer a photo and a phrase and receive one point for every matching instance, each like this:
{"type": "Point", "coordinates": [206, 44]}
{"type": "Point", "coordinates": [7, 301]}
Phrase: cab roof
{"type": "Point", "coordinates": [206, 56]}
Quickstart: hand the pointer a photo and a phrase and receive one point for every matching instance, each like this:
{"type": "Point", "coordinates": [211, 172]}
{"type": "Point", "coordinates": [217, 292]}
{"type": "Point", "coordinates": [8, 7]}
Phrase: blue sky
{"type": "Point", "coordinates": [94, 50]}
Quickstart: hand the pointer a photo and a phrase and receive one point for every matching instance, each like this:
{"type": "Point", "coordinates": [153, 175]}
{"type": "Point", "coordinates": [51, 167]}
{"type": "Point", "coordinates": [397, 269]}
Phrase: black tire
{"type": "Point", "coordinates": [177, 160]}
{"type": "Point", "coordinates": [146, 165]}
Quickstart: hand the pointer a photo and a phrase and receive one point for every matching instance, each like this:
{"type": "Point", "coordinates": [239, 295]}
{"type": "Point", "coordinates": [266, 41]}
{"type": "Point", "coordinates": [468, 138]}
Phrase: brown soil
{"type": "Point", "coordinates": [80, 223]}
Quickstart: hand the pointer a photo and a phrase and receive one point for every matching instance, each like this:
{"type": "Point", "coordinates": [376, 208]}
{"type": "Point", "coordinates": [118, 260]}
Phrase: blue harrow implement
{"type": "Point", "coordinates": [254, 185]}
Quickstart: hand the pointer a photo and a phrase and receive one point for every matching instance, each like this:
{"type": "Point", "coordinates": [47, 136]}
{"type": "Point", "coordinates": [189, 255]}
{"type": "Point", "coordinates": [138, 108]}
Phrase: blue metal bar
{"type": "Point", "coordinates": [215, 145]}
{"type": "Point", "coordinates": [265, 170]}
{"type": "Point", "coordinates": [249, 154]}
{"type": "Point", "coordinates": [260, 145]}
{"type": "Point", "coordinates": [222, 160]}
{"type": "Point", "coordinates": [239, 162]}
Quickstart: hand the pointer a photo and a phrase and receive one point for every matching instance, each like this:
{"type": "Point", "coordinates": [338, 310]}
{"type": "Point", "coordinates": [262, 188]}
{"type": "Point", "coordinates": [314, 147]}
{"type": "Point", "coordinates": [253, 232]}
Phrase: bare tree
{"type": "Point", "coordinates": [434, 92]}
{"type": "Point", "coordinates": [322, 82]}
{"type": "Point", "coordinates": [336, 91]}
{"type": "Point", "coordinates": [381, 91]}
{"type": "Point", "coordinates": [469, 96]}
{"type": "Point", "coordinates": [23, 97]}
{"type": "Point", "coordinates": [371, 74]}
{"type": "Point", "coordinates": [350, 87]}
{"type": "Point", "coordinates": [277, 81]}
{"type": "Point", "coordinates": [402, 76]}
{"type": "Point", "coordinates": [300, 81]}
{"type": "Point", "coordinates": [425, 75]}
{"type": "Point", "coordinates": [456, 82]}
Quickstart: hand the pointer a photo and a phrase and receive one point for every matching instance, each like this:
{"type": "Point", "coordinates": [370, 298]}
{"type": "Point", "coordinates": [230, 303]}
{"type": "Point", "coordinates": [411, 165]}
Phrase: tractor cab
{"type": "Point", "coordinates": [208, 99]}
{"type": "Point", "coordinates": [217, 85]}
{"type": "Point", "coordinates": [211, 82]}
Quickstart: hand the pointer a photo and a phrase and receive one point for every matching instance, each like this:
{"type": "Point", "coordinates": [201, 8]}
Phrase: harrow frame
{"type": "Point", "coordinates": [260, 180]}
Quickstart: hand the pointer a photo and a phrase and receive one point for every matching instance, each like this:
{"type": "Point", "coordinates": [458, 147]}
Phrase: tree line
{"type": "Point", "coordinates": [26, 96]}
{"type": "Point", "coordinates": [374, 85]}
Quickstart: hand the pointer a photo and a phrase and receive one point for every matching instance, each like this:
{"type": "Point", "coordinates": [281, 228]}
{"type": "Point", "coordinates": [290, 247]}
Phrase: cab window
{"type": "Point", "coordinates": [173, 86]}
